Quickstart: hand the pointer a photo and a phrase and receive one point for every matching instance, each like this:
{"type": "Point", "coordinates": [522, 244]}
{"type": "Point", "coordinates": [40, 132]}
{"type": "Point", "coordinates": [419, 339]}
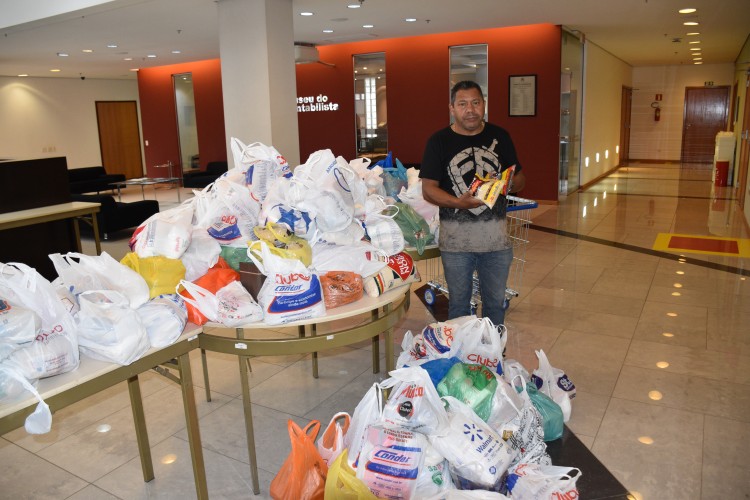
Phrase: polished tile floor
{"type": "Point", "coordinates": [657, 345]}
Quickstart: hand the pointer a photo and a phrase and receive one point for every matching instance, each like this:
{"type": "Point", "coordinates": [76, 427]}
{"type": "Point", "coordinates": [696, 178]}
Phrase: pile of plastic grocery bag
{"type": "Point", "coordinates": [460, 422]}
{"type": "Point", "coordinates": [324, 235]}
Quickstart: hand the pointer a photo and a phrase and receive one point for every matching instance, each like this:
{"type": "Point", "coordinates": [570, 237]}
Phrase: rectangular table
{"type": "Point", "coordinates": [71, 210]}
{"type": "Point", "coordinates": [147, 181]}
{"type": "Point", "coordinates": [93, 376]}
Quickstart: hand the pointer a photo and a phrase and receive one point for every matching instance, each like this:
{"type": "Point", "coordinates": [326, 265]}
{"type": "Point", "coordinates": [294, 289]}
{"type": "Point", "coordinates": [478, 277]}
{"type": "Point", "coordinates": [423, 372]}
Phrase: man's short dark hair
{"type": "Point", "coordinates": [465, 85]}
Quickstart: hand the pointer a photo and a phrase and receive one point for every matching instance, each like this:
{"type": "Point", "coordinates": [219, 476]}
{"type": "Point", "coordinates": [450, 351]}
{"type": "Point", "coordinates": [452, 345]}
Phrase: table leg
{"type": "Point", "coordinates": [313, 333]}
{"type": "Point", "coordinates": [139, 419]}
{"type": "Point", "coordinates": [77, 235]}
{"type": "Point", "coordinates": [119, 193]}
{"type": "Point", "coordinates": [388, 338]}
{"type": "Point", "coordinates": [375, 346]}
{"type": "Point", "coordinates": [204, 361]}
{"type": "Point", "coordinates": [143, 191]}
{"type": "Point", "coordinates": [193, 429]}
{"type": "Point", "coordinates": [247, 407]}
{"type": "Point", "coordinates": [95, 227]}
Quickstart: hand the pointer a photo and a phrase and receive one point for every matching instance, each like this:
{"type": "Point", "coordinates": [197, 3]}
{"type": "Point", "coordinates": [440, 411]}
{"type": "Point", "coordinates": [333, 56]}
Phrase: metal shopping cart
{"type": "Point", "coordinates": [518, 220]}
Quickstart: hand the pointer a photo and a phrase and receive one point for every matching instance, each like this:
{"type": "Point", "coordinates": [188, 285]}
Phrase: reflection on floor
{"type": "Point", "coordinates": [657, 344]}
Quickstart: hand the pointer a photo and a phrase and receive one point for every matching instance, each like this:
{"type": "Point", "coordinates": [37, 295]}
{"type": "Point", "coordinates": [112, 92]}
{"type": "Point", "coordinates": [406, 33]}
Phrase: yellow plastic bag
{"type": "Point", "coordinates": [342, 482]}
{"type": "Point", "coordinates": [162, 274]}
{"type": "Point", "coordinates": [281, 242]}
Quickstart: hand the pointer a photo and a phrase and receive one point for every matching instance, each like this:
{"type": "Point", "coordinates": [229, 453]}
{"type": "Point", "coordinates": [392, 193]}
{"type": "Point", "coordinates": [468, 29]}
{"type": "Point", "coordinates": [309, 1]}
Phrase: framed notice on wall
{"type": "Point", "coordinates": [522, 95]}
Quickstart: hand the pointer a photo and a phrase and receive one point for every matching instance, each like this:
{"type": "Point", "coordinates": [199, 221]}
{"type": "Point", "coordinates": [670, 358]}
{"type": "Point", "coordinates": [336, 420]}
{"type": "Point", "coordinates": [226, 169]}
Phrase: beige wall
{"type": "Point", "coordinates": [56, 116]}
{"type": "Point", "coordinates": [662, 140]}
{"type": "Point", "coordinates": [605, 77]}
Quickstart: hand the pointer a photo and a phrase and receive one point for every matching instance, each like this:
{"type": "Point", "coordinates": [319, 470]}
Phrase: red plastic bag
{"type": "Point", "coordinates": [303, 474]}
{"type": "Point", "coordinates": [214, 280]}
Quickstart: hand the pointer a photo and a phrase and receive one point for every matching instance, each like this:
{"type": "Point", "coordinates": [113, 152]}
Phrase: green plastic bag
{"type": "Point", "coordinates": [552, 415]}
{"type": "Point", "coordinates": [473, 385]}
{"type": "Point", "coordinates": [234, 255]}
{"type": "Point", "coordinates": [415, 228]}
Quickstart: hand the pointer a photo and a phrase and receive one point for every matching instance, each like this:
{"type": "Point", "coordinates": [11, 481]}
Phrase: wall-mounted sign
{"type": "Point", "coordinates": [522, 95]}
{"type": "Point", "coordinates": [312, 103]}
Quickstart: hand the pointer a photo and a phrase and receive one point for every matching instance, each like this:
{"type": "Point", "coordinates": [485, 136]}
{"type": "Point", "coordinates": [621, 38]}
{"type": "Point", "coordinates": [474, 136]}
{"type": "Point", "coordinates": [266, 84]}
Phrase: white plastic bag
{"type": "Point", "coordinates": [236, 306]}
{"type": "Point", "coordinates": [480, 342]}
{"type": "Point", "coordinates": [203, 300]}
{"type": "Point", "coordinates": [474, 450]}
{"type": "Point", "coordinates": [368, 411]}
{"type": "Point", "coordinates": [414, 402]}
{"type": "Point", "coordinates": [291, 292]}
{"type": "Point", "coordinates": [535, 481]}
{"type": "Point", "coordinates": [331, 442]}
{"type": "Point", "coordinates": [55, 348]}
{"type": "Point", "coordinates": [108, 329]}
{"type": "Point", "coordinates": [165, 233]}
{"type": "Point", "coordinates": [164, 318]}
{"type": "Point", "coordinates": [261, 165]}
{"type": "Point", "coordinates": [18, 327]}
{"type": "Point", "coordinates": [81, 273]}
{"type": "Point", "coordinates": [390, 461]}
{"type": "Point", "coordinates": [201, 255]}
{"type": "Point", "coordinates": [40, 421]}
{"type": "Point", "coordinates": [361, 258]}
{"type": "Point", "coordinates": [413, 352]}
{"type": "Point", "coordinates": [513, 369]}
{"type": "Point", "coordinates": [434, 477]}
{"type": "Point", "coordinates": [554, 383]}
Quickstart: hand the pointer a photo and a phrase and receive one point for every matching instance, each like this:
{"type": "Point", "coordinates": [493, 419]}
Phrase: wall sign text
{"type": "Point", "coordinates": [312, 103]}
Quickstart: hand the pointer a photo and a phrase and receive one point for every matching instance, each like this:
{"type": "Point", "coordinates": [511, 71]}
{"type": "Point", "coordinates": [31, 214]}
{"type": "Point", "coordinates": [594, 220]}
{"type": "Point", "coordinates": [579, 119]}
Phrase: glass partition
{"type": "Point", "coordinates": [186, 124]}
{"type": "Point", "coordinates": [571, 85]}
{"type": "Point", "coordinates": [469, 62]}
{"type": "Point", "coordinates": [370, 104]}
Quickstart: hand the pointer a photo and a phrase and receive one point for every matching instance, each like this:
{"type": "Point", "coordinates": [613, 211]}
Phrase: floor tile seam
{"type": "Point", "coordinates": [645, 251]}
{"type": "Point", "coordinates": [86, 486]}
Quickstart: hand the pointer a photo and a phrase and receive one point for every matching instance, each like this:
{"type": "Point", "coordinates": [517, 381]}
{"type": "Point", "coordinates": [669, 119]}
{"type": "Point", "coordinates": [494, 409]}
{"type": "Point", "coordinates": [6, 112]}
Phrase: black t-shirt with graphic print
{"type": "Point", "coordinates": [452, 159]}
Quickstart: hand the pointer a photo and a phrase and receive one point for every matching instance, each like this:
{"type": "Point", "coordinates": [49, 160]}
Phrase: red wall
{"type": "Point", "coordinates": [159, 115]}
{"type": "Point", "coordinates": [417, 81]}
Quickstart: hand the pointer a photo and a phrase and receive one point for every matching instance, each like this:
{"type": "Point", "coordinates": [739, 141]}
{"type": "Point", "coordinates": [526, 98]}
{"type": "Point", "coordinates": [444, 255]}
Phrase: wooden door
{"type": "Point", "coordinates": [625, 115]}
{"type": "Point", "coordinates": [119, 137]}
{"type": "Point", "coordinates": [743, 163]}
{"type": "Point", "coordinates": [705, 113]}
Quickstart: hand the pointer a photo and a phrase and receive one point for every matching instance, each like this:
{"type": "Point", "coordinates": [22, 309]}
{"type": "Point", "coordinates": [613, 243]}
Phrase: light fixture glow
{"type": "Point", "coordinates": [655, 395]}
{"type": "Point", "coordinates": [694, 33]}
{"type": "Point", "coordinates": [23, 74]}
{"type": "Point", "coordinates": [676, 294]}
{"type": "Point", "coordinates": [662, 364]}
{"type": "Point", "coordinates": [694, 41]}
{"type": "Point", "coordinates": [677, 285]}
{"type": "Point", "coordinates": [586, 162]}
{"type": "Point", "coordinates": [672, 315]}
{"type": "Point", "coordinates": [646, 440]}
{"type": "Point", "coordinates": [617, 149]}
{"type": "Point", "coordinates": [169, 459]}
{"type": "Point", "coordinates": [128, 59]}
{"type": "Point", "coordinates": [112, 46]}
{"type": "Point", "coordinates": [88, 51]}
{"type": "Point", "coordinates": [368, 25]}
{"type": "Point", "coordinates": [687, 11]}
{"type": "Point", "coordinates": [698, 62]}
{"type": "Point", "coordinates": [690, 23]}
{"type": "Point", "coordinates": [353, 6]}
{"type": "Point", "coordinates": [679, 272]}
{"type": "Point", "coordinates": [606, 153]}
{"type": "Point", "coordinates": [695, 48]}
{"type": "Point", "coordinates": [133, 69]}
{"type": "Point", "coordinates": [151, 56]}
{"type": "Point", "coordinates": [596, 201]}
{"type": "Point", "coordinates": [176, 52]}
{"type": "Point", "coordinates": [668, 335]}
{"type": "Point", "coordinates": [327, 31]}
{"type": "Point", "coordinates": [697, 59]}
{"type": "Point", "coordinates": [306, 14]}
{"type": "Point", "coordinates": [62, 54]}
{"type": "Point", "coordinates": [411, 19]}
{"type": "Point", "coordinates": [584, 211]}
{"type": "Point", "coordinates": [597, 157]}
{"type": "Point", "coordinates": [55, 70]}
{"type": "Point", "coordinates": [103, 428]}
{"type": "Point", "coordinates": [604, 195]}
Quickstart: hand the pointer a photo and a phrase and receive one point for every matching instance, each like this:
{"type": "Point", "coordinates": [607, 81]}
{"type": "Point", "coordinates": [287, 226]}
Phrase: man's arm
{"type": "Point", "coordinates": [517, 183]}
{"type": "Point", "coordinates": [432, 192]}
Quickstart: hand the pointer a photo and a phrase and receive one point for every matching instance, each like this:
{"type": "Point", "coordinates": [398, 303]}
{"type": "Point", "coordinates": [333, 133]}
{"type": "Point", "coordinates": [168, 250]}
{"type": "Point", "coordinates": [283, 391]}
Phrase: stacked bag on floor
{"type": "Point", "coordinates": [449, 429]}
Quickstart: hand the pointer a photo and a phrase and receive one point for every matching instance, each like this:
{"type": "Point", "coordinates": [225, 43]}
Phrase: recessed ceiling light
{"type": "Point", "coordinates": [23, 74]}
{"type": "Point", "coordinates": [354, 6]}
{"type": "Point", "coordinates": [128, 59]}
{"type": "Point", "coordinates": [112, 46]}
{"type": "Point", "coordinates": [133, 69]}
{"type": "Point", "coordinates": [176, 52]}
{"type": "Point", "coordinates": [698, 62]}
{"type": "Point", "coordinates": [695, 48]}
{"type": "Point", "coordinates": [695, 41]}
{"type": "Point", "coordinates": [55, 70]}
{"type": "Point", "coordinates": [697, 59]}
{"type": "Point", "coordinates": [687, 11]}
{"type": "Point", "coordinates": [693, 33]}
{"type": "Point", "coordinates": [690, 23]}
{"type": "Point", "coordinates": [364, 67]}
{"type": "Point", "coordinates": [151, 56]}
{"type": "Point", "coordinates": [88, 51]}
{"type": "Point", "coordinates": [62, 54]}
{"type": "Point", "coordinates": [305, 13]}
{"type": "Point", "coordinates": [368, 25]}
{"type": "Point", "coordinates": [411, 19]}
{"type": "Point", "coordinates": [327, 31]}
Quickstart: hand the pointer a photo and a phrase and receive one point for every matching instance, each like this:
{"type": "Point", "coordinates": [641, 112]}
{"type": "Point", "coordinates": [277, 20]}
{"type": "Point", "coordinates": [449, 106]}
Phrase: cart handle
{"type": "Point", "coordinates": [515, 203]}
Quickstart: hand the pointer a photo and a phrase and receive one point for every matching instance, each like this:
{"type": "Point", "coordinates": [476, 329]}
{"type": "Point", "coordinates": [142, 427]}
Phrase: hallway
{"type": "Point", "coordinates": [657, 345]}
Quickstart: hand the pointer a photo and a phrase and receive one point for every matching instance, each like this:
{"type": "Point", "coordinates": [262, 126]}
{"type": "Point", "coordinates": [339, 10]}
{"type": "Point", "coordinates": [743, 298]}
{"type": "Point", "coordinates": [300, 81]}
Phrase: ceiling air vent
{"type": "Point", "coordinates": [304, 54]}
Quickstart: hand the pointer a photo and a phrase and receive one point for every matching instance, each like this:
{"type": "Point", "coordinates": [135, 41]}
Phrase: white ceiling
{"type": "Point", "coordinates": [640, 32]}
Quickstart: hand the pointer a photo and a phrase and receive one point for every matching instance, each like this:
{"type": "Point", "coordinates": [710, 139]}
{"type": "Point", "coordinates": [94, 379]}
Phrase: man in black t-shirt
{"type": "Point", "coordinates": [472, 236]}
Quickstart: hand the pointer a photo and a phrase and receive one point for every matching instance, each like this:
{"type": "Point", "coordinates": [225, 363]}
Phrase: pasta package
{"type": "Point", "coordinates": [400, 270]}
{"type": "Point", "coordinates": [341, 287]}
{"type": "Point", "coordinates": [489, 189]}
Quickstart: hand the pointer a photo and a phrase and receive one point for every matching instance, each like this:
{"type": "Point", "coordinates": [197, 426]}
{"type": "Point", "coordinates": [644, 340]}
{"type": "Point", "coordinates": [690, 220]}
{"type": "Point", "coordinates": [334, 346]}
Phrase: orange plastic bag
{"type": "Point", "coordinates": [341, 287]}
{"type": "Point", "coordinates": [303, 474]}
{"type": "Point", "coordinates": [214, 280]}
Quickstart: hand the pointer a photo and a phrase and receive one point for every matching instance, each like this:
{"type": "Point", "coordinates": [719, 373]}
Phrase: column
{"type": "Point", "coordinates": [256, 45]}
